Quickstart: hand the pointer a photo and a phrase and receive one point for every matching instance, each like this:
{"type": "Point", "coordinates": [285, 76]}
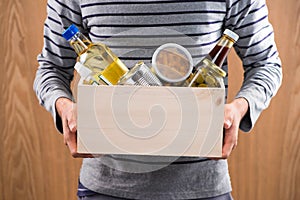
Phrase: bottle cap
{"type": "Point", "coordinates": [82, 70]}
{"type": "Point", "coordinates": [172, 63]}
{"type": "Point", "coordinates": [70, 32]}
{"type": "Point", "coordinates": [231, 34]}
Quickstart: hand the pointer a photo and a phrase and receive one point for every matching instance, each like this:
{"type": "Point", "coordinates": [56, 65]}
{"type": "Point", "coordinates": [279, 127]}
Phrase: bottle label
{"type": "Point", "coordinates": [113, 72]}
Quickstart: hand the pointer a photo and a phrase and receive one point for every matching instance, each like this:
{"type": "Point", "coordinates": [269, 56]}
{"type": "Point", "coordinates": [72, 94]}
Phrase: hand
{"type": "Point", "coordinates": [67, 110]}
{"type": "Point", "coordinates": [234, 112]}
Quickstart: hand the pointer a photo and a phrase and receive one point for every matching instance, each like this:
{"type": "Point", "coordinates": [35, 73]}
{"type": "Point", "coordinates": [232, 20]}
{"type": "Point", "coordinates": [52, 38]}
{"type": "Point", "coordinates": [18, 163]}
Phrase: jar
{"type": "Point", "coordinates": [208, 75]}
{"type": "Point", "coordinates": [172, 64]}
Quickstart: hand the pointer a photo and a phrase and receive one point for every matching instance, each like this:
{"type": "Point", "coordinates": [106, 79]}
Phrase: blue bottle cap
{"type": "Point", "coordinates": [70, 32]}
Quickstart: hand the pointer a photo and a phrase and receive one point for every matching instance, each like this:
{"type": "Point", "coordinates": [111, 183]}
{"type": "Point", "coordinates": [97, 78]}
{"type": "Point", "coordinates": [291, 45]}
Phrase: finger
{"type": "Point", "coordinates": [226, 151]}
{"type": "Point", "coordinates": [227, 123]}
{"type": "Point", "coordinates": [70, 138]}
{"type": "Point", "coordinates": [230, 141]}
{"type": "Point", "coordinates": [72, 121]}
{"type": "Point", "coordinates": [65, 130]}
{"type": "Point", "coordinates": [72, 143]}
{"type": "Point", "coordinates": [72, 126]}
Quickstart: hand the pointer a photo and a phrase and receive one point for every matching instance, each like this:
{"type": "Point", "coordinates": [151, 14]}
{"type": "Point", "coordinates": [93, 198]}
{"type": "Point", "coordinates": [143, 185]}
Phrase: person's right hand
{"type": "Point", "coordinates": [67, 110]}
{"type": "Point", "coordinates": [68, 113]}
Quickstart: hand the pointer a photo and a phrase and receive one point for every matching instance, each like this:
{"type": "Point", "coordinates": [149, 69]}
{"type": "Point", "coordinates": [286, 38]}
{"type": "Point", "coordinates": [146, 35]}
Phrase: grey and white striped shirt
{"type": "Point", "coordinates": [133, 29]}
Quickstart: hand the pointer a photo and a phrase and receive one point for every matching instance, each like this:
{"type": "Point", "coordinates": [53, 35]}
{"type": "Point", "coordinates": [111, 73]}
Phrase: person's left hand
{"type": "Point", "coordinates": [234, 112]}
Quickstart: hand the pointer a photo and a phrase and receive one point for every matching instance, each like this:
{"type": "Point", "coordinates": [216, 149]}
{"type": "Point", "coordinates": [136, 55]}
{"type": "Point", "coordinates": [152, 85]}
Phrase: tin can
{"type": "Point", "coordinates": [140, 74]}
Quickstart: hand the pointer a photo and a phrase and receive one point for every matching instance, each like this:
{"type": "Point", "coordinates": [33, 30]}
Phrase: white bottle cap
{"type": "Point", "coordinates": [82, 70]}
{"type": "Point", "coordinates": [231, 34]}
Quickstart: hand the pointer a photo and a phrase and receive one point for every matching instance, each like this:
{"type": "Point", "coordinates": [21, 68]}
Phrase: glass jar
{"type": "Point", "coordinates": [172, 64]}
{"type": "Point", "coordinates": [208, 75]}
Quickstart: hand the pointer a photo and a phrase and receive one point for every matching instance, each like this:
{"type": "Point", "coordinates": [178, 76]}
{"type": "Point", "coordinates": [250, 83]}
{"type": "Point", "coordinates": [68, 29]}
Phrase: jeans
{"type": "Point", "coordinates": [226, 196]}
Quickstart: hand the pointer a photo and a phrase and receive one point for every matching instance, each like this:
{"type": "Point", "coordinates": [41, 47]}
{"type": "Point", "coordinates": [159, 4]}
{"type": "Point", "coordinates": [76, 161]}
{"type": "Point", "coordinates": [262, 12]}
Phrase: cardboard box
{"type": "Point", "coordinates": [165, 121]}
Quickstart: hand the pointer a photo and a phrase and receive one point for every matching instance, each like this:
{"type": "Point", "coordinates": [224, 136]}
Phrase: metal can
{"type": "Point", "coordinates": [140, 74]}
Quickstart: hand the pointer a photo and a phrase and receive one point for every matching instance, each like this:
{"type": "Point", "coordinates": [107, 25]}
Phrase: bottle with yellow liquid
{"type": "Point", "coordinates": [95, 62]}
{"type": "Point", "coordinates": [208, 72]}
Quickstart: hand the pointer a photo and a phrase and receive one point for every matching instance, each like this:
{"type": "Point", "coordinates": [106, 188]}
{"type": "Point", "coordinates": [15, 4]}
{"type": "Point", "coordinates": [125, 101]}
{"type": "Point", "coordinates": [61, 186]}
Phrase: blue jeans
{"type": "Point", "coordinates": [226, 196]}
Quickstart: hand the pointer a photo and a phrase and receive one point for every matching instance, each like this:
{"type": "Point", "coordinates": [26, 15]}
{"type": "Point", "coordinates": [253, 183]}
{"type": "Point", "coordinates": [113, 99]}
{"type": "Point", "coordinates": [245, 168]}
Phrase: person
{"type": "Point", "coordinates": [204, 21]}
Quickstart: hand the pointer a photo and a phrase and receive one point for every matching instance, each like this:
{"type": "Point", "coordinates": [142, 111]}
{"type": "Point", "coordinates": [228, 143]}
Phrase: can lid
{"type": "Point", "coordinates": [172, 63]}
{"type": "Point", "coordinates": [231, 34]}
{"type": "Point", "coordinates": [70, 32]}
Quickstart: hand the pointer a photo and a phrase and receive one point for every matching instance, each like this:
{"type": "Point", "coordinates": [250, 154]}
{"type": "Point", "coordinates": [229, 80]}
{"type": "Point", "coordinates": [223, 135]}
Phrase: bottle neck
{"type": "Point", "coordinates": [80, 43]}
{"type": "Point", "coordinates": [219, 53]}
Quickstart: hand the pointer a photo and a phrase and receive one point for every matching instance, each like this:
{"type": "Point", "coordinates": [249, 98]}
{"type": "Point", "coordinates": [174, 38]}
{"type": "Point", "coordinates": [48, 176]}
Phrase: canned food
{"type": "Point", "coordinates": [140, 74]}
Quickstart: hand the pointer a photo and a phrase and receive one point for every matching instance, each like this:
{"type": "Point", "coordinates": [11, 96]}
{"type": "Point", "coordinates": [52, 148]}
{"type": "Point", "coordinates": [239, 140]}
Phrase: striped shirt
{"type": "Point", "coordinates": [133, 29]}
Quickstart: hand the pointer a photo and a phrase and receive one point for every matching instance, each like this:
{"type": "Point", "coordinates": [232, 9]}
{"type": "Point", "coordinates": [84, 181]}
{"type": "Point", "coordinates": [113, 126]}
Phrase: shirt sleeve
{"type": "Point", "coordinates": [258, 52]}
{"type": "Point", "coordinates": [57, 59]}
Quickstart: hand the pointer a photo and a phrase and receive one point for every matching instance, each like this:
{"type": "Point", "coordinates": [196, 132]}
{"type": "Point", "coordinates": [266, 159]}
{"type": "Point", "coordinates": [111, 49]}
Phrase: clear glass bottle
{"type": "Point", "coordinates": [208, 72]}
{"type": "Point", "coordinates": [105, 67]}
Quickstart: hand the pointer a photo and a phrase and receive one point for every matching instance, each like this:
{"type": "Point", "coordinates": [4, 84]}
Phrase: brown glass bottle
{"type": "Point", "coordinates": [213, 63]}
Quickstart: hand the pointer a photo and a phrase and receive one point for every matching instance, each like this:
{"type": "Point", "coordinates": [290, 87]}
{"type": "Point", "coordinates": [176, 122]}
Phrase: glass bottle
{"type": "Point", "coordinates": [208, 72]}
{"type": "Point", "coordinates": [104, 66]}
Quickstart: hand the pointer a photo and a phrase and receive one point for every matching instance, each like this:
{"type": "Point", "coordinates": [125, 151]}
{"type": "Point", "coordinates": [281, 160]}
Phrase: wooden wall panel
{"type": "Point", "coordinates": [34, 163]}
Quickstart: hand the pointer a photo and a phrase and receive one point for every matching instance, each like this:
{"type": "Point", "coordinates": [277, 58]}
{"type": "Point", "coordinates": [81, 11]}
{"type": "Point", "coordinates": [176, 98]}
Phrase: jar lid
{"type": "Point", "coordinates": [172, 63]}
{"type": "Point", "coordinates": [231, 34]}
